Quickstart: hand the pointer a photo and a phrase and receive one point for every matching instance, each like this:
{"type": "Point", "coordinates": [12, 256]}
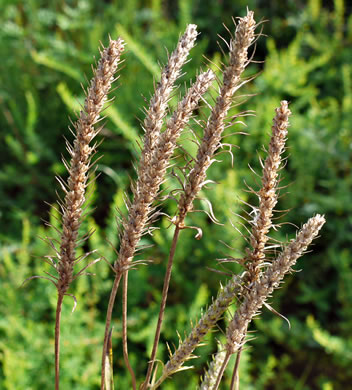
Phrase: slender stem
{"type": "Point", "coordinates": [124, 328]}
{"type": "Point", "coordinates": [107, 326]}
{"type": "Point", "coordinates": [222, 370]}
{"type": "Point", "coordinates": [162, 305]}
{"type": "Point", "coordinates": [57, 339]}
{"type": "Point", "coordinates": [235, 377]}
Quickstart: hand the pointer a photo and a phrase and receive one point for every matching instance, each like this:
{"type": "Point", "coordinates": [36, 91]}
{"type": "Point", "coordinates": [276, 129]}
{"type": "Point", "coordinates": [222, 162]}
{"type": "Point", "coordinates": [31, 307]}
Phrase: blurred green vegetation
{"type": "Point", "coordinates": [46, 51]}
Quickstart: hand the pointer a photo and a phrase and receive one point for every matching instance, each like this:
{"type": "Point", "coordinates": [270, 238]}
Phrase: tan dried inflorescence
{"type": "Point", "coordinates": [262, 288]}
{"type": "Point", "coordinates": [81, 154]}
{"type": "Point", "coordinates": [210, 376]}
{"type": "Point", "coordinates": [154, 172]}
{"type": "Point", "coordinates": [159, 103]}
{"type": "Point", "coordinates": [158, 147]}
{"type": "Point", "coordinates": [271, 276]}
{"type": "Point", "coordinates": [209, 319]}
{"type": "Point", "coordinates": [267, 195]}
{"type": "Point", "coordinates": [216, 123]}
{"type": "Point", "coordinates": [261, 276]}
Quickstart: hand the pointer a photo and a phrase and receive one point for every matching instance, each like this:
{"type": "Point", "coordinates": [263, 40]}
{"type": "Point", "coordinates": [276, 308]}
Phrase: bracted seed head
{"type": "Point", "coordinates": [81, 153]}
{"type": "Point", "coordinates": [262, 289]}
{"type": "Point", "coordinates": [152, 174]}
{"type": "Point", "coordinates": [208, 320]}
{"type": "Point", "coordinates": [156, 112]}
{"type": "Point", "coordinates": [268, 194]}
{"type": "Point", "coordinates": [212, 373]}
{"type": "Point", "coordinates": [216, 123]}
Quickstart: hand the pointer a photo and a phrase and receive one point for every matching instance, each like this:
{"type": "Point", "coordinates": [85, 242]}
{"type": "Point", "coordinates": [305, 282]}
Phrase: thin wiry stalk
{"type": "Point", "coordinates": [162, 305]}
{"type": "Point", "coordinates": [235, 380]}
{"type": "Point", "coordinates": [270, 280]}
{"type": "Point", "coordinates": [57, 340]}
{"type": "Point", "coordinates": [81, 153]}
{"type": "Point", "coordinates": [221, 371]}
{"type": "Point", "coordinates": [150, 172]}
{"type": "Point", "coordinates": [124, 331]}
{"type": "Point", "coordinates": [108, 325]}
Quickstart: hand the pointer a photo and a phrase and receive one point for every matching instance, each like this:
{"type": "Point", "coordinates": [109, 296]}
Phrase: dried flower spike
{"type": "Point", "coordinates": [268, 193]}
{"type": "Point", "coordinates": [216, 122]}
{"type": "Point", "coordinates": [205, 324]}
{"type": "Point", "coordinates": [157, 151]}
{"type": "Point", "coordinates": [81, 154]}
{"type": "Point", "coordinates": [155, 115]}
{"type": "Point", "coordinates": [147, 187]}
{"type": "Point", "coordinates": [270, 280]}
{"type": "Point", "coordinates": [210, 376]}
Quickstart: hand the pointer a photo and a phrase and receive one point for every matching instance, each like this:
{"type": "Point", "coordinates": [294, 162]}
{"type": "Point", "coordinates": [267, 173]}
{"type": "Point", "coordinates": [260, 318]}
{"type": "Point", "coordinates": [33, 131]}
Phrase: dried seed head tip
{"type": "Point", "coordinates": [270, 280]}
{"type": "Point", "coordinates": [81, 154]}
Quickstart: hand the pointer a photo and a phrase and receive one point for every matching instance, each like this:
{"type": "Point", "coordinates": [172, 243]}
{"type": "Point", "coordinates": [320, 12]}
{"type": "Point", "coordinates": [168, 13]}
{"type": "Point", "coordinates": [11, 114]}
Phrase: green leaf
{"type": "Point", "coordinates": [44, 59]}
{"type": "Point", "coordinates": [138, 51]}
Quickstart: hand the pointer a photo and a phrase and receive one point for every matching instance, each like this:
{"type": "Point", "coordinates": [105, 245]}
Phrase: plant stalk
{"type": "Point", "coordinates": [162, 305]}
{"type": "Point", "coordinates": [107, 326]}
{"type": "Point", "coordinates": [222, 370]}
{"type": "Point", "coordinates": [235, 382]}
{"type": "Point", "coordinates": [57, 339]}
{"type": "Point", "coordinates": [124, 328]}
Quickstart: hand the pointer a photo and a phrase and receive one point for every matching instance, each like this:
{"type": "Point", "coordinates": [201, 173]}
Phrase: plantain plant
{"type": "Point", "coordinates": [265, 261]}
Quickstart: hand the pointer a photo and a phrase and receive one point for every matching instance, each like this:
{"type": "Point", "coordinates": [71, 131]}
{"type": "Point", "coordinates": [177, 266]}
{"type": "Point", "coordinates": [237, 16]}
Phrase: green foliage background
{"type": "Point", "coordinates": [45, 52]}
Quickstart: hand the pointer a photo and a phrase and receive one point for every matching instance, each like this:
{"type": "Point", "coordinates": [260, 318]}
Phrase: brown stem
{"type": "Point", "coordinates": [235, 377]}
{"type": "Point", "coordinates": [222, 370]}
{"type": "Point", "coordinates": [107, 326]}
{"type": "Point", "coordinates": [162, 305]}
{"type": "Point", "coordinates": [57, 339]}
{"type": "Point", "coordinates": [124, 328]}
